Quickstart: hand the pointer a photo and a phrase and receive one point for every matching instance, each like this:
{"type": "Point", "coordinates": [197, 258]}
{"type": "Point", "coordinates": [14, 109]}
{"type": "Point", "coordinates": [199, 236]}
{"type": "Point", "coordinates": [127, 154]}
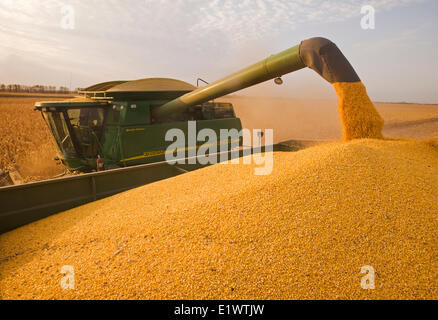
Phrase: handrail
{"type": "Point", "coordinates": [199, 79]}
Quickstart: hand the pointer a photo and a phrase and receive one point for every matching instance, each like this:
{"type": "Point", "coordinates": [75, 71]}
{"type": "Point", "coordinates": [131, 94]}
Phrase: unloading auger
{"type": "Point", "coordinates": [319, 54]}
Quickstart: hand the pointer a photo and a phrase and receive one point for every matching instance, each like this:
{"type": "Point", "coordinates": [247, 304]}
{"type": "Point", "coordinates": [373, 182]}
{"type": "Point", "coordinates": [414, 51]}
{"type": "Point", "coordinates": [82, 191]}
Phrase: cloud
{"type": "Point", "coordinates": [135, 38]}
{"type": "Point", "coordinates": [256, 19]}
{"type": "Point", "coordinates": [39, 20]}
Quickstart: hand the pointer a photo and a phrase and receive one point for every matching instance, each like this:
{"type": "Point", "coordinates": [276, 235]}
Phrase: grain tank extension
{"type": "Point", "coordinates": [125, 122]}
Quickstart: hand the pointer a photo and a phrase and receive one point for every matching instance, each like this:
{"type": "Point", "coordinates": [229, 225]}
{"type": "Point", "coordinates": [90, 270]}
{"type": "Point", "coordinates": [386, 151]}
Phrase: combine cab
{"type": "Point", "coordinates": [116, 120]}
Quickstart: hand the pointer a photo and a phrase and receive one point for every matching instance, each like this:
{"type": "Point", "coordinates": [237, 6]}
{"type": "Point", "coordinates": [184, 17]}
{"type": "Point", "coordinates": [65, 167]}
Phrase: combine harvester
{"type": "Point", "coordinates": [124, 123]}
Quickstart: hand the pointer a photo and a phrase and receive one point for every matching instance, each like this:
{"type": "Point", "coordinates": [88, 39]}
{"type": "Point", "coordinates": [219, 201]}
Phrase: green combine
{"type": "Point", "coordinates": [124, 123]}
{"type": "Point", "coordinates": [116, 121]}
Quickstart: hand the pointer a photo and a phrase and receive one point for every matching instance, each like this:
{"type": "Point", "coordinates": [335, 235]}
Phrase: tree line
{"type": "Point", "coordinates": [33, 89]}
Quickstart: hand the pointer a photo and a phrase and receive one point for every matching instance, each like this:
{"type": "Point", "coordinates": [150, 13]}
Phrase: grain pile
{"type": "Point", "coordinates": [221, 232]}
{"type": "Point", "coordinates": [358, 115]}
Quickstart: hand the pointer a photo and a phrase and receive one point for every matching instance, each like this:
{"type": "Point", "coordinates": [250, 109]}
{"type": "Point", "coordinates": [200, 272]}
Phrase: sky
{"type": "Point", "coordinates": [81, 42]}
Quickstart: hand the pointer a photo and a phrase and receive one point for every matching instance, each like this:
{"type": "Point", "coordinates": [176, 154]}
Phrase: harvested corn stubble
{"type": "Point", "coordinates": [359, 117]}
{"type": "Point", "coordinates": [221, 232]}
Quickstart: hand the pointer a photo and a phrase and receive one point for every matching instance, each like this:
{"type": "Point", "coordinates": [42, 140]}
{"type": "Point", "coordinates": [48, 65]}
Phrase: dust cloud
{"type": "Point", "coordinates": [39, 164]}
{"type": "Point", "coordinates": [291, 118]}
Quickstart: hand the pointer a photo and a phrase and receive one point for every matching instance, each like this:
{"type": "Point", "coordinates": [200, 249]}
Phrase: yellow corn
{"type": "Point", "coordinates": [359, 117]}
{"type": "Point", "coordinates": [303, 232]}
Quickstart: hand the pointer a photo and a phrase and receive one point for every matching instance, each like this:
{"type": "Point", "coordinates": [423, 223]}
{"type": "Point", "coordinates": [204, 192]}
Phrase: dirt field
{"type": "Point", "coordinates": [26, 143]}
